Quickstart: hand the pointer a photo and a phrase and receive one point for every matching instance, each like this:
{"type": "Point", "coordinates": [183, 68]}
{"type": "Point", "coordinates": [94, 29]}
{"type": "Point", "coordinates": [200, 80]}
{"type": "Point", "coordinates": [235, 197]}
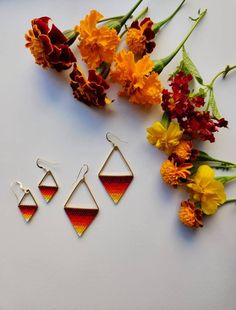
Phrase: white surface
{"type": "Point", "coordinates": [134, 256]}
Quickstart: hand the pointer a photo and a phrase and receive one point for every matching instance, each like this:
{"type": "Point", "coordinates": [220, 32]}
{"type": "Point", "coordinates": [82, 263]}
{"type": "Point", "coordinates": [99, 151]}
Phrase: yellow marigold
{"type": "Point", "coordinates": [172, 174]}
{"type": "Point", "coordinates": [139, 83]}
{"type": "Point", "coordinates": [183, 150]}
{"type": "Point", "coordinates": [206, 190]}
{"type": "Point", "coordinates": [189, 215]}
{"type": "Point", "coordinates": [164, 138]}
{"type": "Point", "coordinates": [96, 45]}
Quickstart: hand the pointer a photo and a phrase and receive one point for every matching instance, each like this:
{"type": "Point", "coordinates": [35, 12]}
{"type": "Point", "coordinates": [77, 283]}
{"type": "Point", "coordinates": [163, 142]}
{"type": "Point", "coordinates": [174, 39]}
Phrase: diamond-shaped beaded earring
{"type": "Point", "coordinates": [27, 204]}
{"type": "Point", "coordinates": [48, 186]}
{"type": "Point", "coordinates": [115, 184]}
{"type": "Point", "coordinates": [81, 216]}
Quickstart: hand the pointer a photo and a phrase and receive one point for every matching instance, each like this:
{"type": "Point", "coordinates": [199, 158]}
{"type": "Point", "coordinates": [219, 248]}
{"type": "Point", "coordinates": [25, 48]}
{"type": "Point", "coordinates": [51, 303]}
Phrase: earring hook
{"type": "Point", "coordinates": [25, 190]}
{"type": "Point", "coordinates": [86, 171]}
{"type": "Point", "coordinates": [41, 162]}
{"type": "Point", "coordinates": [109, 139]}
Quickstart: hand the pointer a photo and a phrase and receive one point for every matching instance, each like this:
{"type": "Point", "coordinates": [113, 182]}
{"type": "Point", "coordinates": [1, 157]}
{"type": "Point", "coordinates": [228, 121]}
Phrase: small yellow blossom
{"type": "Point", "coordinates": [164, 138]}
{"type": "Point", "coordinates": [206, 190]}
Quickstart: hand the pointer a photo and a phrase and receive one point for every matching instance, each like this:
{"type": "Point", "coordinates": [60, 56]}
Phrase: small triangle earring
{"type": "Point", "coordinates": [80, 216]}
{"type": "Point", "coordinates": [115, 184]}
{"type": "Point", "coordinates": [48, 186]}
{"type": "Point", "coordinates": [27, 204]}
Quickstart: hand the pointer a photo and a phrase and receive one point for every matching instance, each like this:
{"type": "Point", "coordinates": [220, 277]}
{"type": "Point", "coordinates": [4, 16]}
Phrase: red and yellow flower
{"type": "Point", "coordinates": [91, 91]}
{"type": "Point", "coordinates": [139, 38]}
{"type": "Point", "coordinates": [139, 83]}
{"type": "Point", "coordinates": [189, 215]}
{"type": "Point", "coordinates": [48, 45]}
{"type": "Point", "coordinates": [173, 174]}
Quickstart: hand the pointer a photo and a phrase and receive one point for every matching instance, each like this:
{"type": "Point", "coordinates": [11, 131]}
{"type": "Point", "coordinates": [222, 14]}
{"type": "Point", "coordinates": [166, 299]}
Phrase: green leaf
{"type": "Point", "coordinates": [190, 67]}
{"type": "Point", "coordinates": [165, 120]}
{"type": "Point", "coordinates": [213, 105]}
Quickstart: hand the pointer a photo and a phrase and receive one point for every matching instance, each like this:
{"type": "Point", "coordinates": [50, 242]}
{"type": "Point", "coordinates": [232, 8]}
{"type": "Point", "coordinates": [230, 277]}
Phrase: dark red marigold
{"type": "Point", "coordinates": [48, 45]}
{"type": "Point", "coordinates": [91, 91]}
{"type": "Point", "coordinates": [140, 37]}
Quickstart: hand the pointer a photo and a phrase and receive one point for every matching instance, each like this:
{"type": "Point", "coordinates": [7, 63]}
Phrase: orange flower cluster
{"type": "Point", "coordinates": [185, 120]}
{"type": "Point", "coordinates": [97, 39]}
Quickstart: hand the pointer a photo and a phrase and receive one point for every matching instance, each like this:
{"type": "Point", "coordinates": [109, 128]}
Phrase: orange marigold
{"type": "Point", "coordinates": [139, 37]}
{"type": "Point", "coordinates": [96, 45]}
{"type": "Point", "coordinates": [189, 215]}
{"type": "Point", "coordinates": [139, 83]}
{"type": "Point", "coordinates": [183, 150]}
{"type": "Point", "coordinates": [173, 174]}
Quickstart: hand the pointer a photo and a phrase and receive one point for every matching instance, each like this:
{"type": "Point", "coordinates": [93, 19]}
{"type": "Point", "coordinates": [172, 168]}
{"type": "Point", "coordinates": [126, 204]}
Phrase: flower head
{"type": "Point", "coordinates": [189, 215]}
{"type": "Point", "coordinates": [48, 45]}
{"type": "Point", "coordinates": [183, 150]}
{"type": "Point", "coordinates": [206, 190]}
{"type": "Point", "coordinates": [97, 44]}
{"type": "Point", "coordinates": [91, 91]}
{"type": "Point", "coordinates": [184, 106]}
{"type": "Point", "coordinates": [140, 37]}
{"type": "Point", "coordinates": [139, 83]}
{"type": "Point", "coordinates": [173, 174]}
{"type": "Point", "coordinates": [166, 139]}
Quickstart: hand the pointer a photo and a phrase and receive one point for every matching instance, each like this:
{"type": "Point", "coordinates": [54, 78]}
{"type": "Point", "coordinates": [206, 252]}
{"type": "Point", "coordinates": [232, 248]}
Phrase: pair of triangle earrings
{"type": "Point", "coordinates": [80, 216]}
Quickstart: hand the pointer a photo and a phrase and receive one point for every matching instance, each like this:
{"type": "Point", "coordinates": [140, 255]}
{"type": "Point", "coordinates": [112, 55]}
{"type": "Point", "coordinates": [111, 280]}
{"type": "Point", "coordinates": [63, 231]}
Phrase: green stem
{"type": "Point", "coordinates": [160, 64]}
{"type": "Point", "coordinates": [205, 157]}
{"type": "Point", "coordinates": [229, 201]}
{"type": "Point", "coordinates": [223, 72]}
{"type": "Point", "coordinates": [156, 27]}
{"type": "Point", "coordinates": [129, 14]}
{"type": "Point", "coordinates": [226, 179]}
{"type": "Point", "coordinates": [144, 12]}
{"type": "Point", "coordinates": [110, 18]}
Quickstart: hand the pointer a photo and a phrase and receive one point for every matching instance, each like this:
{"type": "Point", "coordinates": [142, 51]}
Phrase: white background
{"type": "Point", "coordinates": [134, 256]}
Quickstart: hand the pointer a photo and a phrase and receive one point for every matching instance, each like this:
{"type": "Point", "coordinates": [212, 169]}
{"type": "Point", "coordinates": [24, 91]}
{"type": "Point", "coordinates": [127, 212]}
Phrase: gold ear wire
{"type": "Point", "coordinates": [25, 190]}
{"type": "Point", "coordinates": [86, 171]}
{"type": "Point", "coordinates": [109, 134]}
{"type": "Point", "coordinates": [43, 163]}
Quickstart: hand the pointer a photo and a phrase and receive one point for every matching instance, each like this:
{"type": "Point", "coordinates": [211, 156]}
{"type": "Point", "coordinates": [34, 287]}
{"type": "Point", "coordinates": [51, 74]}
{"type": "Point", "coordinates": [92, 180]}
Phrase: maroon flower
{"type": "Point", "coordinates": [48, 45]}
{"type": "Point", "coordinates": [91, 91]}
{"type": "Point", "coordinates": [184, 106]}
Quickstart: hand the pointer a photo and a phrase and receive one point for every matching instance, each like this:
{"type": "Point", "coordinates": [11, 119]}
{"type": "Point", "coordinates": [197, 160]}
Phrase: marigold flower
{"type": "Point", "coordinates": [173, 174]}
{"type": "Point", "coordinates": [97, 44]}
{"type": "Point", "coordinates": [139, 37]}
{"type": "Point", "coordinates": [183, 150]}
{"type": "Point", "coordinates": [166, 139]}
{"type": "Point", "coordinates": [139, 83]}
{"type": "Point", "coordinates": [189, 215]}
{"type": "Point", "coordinates": [206, 190]}
{"type": "Point", "coordinates": [49, 45]}
{"type": "Point", "coordinates": [91, 91]}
